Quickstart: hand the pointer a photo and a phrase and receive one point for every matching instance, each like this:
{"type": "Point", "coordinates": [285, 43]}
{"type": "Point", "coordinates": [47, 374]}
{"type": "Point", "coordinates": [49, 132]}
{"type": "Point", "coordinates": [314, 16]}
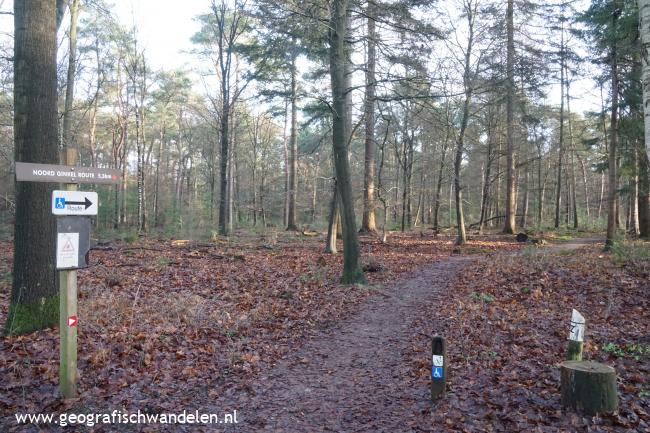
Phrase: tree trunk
{"type": "Point", "coordinates": [574, 200]}
{"type": "Point", "coordinates": [293, 145]}
{"type": "Point", "coordinates": [460, 141]}
{"type": "Point", "coordinates": [634, 194]}
{"type": "Point", "coordinates": [330, 246]}
{"type": "Point", "coordinates": [644, 193]}
{"type": "Point", "coordinates": [156, 201]}
{"type": "Point", "coordinates": [368, 222]}
{"type": "Point", "coordinates": [613, 142]}
{"type": "Point", "coordinates": [644, 31]}
{"type": "Point", "coordinates": [72, 68]}
{"type": "Point", "coordinates": [524, 207]}
{"type": "Point", "coordinates": [485, 192]}
{"type": "Point", "coordinates": [511, 204]}
{"type": "Point", "coordinates": [585, 185]}
{"type": "Point", "coordinates": [223, 164]}
{"type": "Point", "coordinates": [287, 169]}
{"type": "Point", "coordinates": [352, 272]}
{"type": "Point", "coordinates": [34, 295]}
{"type": "Point", "coordinates": [441, 168]}
{"type": "Point", "coordinates": [95, 110]}
{"type": "Point", "coordinates": [558, 185]}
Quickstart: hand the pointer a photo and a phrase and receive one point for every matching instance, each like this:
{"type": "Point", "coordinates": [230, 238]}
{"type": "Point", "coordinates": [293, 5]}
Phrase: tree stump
{"type": "Point", "coordinates": [589, 386]}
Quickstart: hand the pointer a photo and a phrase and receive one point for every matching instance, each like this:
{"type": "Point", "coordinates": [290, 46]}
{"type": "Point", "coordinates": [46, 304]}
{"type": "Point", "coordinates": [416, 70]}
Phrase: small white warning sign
{"type": "Point", "coordinates": [67, 251]}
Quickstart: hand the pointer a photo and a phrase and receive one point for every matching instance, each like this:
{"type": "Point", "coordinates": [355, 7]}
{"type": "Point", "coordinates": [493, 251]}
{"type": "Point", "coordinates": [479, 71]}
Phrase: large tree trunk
{"type": "Point", "coordinates": [511, 203]}
{"type": "Point", "coordinates": [460, 141]}
{"type": "Point", "coordinates": [352, 272]}
{"type": "Point", "coordinates": [644, 193]}
{"type": "Point", "coordinates": [223, 164]}
{"type": "Point", "coordinates": [558, 185]}
{"type": "Point", "coordinates": [368, 222]}
{"type": "Point", "coordinates": [613, 141]}
{"type": "Point", "coordinates": [293, 145]}
{"type": "Point", "coordinates": [287, 169]}
{"type": "Point", "coordinates": [644, 30]}
{"type": "Point", "coordinates": [34, 296]}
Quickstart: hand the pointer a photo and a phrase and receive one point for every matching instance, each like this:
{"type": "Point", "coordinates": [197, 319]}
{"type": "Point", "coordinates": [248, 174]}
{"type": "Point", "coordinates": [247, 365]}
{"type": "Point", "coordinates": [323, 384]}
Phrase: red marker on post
{"type": "Point", "coordinates": [72, 321]}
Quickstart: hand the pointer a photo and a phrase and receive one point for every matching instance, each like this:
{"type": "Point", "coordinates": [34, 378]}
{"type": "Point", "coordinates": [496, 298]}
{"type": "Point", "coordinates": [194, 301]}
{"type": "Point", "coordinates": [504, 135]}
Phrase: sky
{"type": "Point", "coordinates": [165, 29]}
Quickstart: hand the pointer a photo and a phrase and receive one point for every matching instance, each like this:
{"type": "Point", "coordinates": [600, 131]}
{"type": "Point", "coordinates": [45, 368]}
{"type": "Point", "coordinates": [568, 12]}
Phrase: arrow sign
{"type": "Point", "coordinates": [74, 203]}
{"type": "Point", "coordinates": [72, 321]}
{"type": "Point", "coordinates": [87, 203]}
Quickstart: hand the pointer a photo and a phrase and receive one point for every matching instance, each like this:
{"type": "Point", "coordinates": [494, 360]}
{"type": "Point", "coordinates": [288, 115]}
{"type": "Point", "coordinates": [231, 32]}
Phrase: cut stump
{"type": "Point", "coordinates": [589, 387]}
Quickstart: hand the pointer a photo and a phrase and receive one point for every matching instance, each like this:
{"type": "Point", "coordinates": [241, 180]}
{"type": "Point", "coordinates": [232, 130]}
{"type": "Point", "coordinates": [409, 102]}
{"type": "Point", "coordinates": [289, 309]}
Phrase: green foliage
{"type": "Point", "coordinates": [484, 297]}
{"type": "Point", "coordinates": [629, 350]}
{"type": "Point", "coordinates": [129, 237]}
{"type": "Point", "coordinates": [634, 256]}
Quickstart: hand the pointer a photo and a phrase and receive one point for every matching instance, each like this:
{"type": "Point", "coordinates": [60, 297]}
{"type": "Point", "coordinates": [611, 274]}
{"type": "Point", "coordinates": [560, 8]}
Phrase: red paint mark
{"type": "Point", "coordinates": [72, 321]}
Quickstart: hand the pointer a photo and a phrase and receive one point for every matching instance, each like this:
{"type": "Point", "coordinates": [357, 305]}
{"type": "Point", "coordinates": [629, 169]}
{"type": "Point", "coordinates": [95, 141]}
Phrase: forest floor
{"type": "Point", "coordinates": [261, 326]}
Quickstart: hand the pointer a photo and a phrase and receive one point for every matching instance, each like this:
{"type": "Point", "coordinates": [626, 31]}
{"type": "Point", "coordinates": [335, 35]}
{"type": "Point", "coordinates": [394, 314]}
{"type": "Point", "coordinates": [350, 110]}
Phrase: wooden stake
{"type": "Point", "coordinates": [438, 367]}
{"type": "Point", "coordinates": [68, 308]}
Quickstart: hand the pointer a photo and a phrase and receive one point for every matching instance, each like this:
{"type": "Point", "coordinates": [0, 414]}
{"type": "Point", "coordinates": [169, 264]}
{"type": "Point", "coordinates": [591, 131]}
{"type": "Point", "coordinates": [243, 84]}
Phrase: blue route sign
{"type": "Point", "coordinates": [436, 372]}
{"type": "Point", "coordinates": [60, 203]}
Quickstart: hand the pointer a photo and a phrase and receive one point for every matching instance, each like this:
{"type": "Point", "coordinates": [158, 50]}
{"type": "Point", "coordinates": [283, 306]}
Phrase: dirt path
{"type": "Point", "coordinates": [351, 379]}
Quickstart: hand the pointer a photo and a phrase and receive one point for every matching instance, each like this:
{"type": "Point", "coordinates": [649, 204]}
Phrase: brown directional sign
{"type": "Point", "coordinates": [26, 171]}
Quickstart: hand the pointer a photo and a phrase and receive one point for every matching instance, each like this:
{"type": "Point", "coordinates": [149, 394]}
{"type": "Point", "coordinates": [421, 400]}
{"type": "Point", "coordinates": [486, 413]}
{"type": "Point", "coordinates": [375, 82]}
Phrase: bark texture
{"type": "Point", "coordinates": [352, 272]}
{"type": "Point", "coordinates": [34, 295]}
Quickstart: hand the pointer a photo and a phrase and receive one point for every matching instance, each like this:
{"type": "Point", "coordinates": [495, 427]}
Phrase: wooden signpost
{"type": "Point", "coordinates": [438, 367]}
{"type": "Point", "coordinates": [67, 310]}
{"type": "Point", "coordinates": [72, 208]}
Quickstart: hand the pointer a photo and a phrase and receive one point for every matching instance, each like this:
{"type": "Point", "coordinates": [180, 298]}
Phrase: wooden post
{"type": "Point", "coordinates": [438, 367]}
{"type": "Point", "coordinates": [576, 337]}
{"type": "Point", "coordinates": [589, 386]}
{"type": "Point", "coordinates": [68, 309]}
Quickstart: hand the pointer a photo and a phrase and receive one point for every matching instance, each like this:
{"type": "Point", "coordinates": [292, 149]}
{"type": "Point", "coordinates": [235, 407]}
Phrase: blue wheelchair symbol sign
{"type": "Point", "coordinates": [59, 203]}
{"type": "Point", "coordinates": [436, 372]}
